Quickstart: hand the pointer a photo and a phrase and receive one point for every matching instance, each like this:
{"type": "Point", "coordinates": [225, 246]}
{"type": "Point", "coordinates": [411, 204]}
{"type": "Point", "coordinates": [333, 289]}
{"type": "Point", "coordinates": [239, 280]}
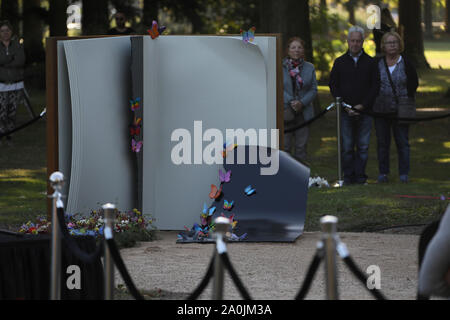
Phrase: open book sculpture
{"type": "Point", "coordinates": [138, 119]}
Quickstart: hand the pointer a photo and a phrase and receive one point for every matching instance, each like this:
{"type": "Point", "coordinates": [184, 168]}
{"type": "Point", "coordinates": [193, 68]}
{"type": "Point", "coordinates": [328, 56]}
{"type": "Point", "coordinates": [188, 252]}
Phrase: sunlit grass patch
{"type": "Point", "coordinates": [442, 160]}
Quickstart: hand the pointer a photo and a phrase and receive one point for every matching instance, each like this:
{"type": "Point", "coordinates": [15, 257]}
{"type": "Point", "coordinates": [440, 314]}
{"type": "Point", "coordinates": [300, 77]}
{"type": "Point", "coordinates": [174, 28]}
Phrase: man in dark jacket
{"type": "Point", "coordinates": [354, 78]}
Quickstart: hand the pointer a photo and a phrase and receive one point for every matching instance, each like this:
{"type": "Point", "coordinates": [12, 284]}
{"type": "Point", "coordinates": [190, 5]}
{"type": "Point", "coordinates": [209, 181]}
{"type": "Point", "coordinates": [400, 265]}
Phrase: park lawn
{"type": "Point", "coordinates": [23, 170]}
{"type": "Point", "coordinates": [359, 208]}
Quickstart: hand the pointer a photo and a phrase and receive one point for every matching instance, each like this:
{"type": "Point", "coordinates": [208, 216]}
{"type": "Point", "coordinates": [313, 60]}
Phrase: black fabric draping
{"type": "Point", "coordinates": [25, 262]}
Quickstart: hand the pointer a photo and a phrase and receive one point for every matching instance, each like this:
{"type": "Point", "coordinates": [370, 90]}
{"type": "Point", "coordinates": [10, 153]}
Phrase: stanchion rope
{"type": "Point", "coordinates": [72, 244]}
{"type": "Point", "coordinates": [306, 123]}
{"type": "Point", "coordinates": [345, 255]}
{"type": "Point", "coordinates": [234, 276]}
{"type": "Point", "coordinates": [204, 283]}
{"type": "Point", "coordinates": [25, 124]}
{"type": "Point", "coordinates": [210, 274]}
{"type": "Point", "coordinates": [393, 117]}
{"type": "Point", "coordinates": [312, 270]}
{"type": "Point", "coordinates": [89, 258]}
{"type": "Point", "coordinates": [122, 268]}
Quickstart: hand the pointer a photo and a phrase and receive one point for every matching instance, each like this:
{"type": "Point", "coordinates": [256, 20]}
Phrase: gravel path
{"type": "Point", "coordinates": [274, 270]}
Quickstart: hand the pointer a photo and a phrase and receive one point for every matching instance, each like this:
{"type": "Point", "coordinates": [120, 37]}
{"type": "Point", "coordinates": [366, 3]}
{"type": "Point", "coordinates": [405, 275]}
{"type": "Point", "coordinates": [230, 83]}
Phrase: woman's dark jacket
{"type": "Point", "coordinates": [12, 60]}
{"type": "Point", "coordinates": [412, 80]}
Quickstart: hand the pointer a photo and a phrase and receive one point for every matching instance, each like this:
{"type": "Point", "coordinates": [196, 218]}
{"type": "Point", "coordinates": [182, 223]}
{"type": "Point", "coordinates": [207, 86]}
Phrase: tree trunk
{"type": "Point", "coordinates": [428, 19]}
{"type": "Point", "coordinates": [33, 31]}
{"type": "Point", "coordinates": [350, 5]}
{"type": "Point", "coordinates": [94, 17]}
{"type": "Point", "coordinates": [323, 9]}
{"type": "Point", "coordinates": [150, 12]}
{"type": "Point", "coordinates": [411, 30]}
{"type": "Point", "coordinates": [10, 12]}
{"type": "Point", "coordinates": [58, 18]}
{"type": "Point", "coordinates": [447, 16]}
{"type": "Point", "coordinates": [288, 17]}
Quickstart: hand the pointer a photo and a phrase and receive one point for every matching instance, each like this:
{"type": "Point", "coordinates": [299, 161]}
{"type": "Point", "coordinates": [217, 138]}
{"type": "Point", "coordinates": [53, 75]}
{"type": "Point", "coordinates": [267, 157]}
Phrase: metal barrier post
{"type": "Point", "coordinates": [338, 135]}
{"type": "Point", "coordinates": [109, 211]}
{"type": "Point", "coordinates": [222, 227]}
{"type": "Point", "coordinates": [56, 182]}
{"type": "Point", "coordinates": [329, 224]}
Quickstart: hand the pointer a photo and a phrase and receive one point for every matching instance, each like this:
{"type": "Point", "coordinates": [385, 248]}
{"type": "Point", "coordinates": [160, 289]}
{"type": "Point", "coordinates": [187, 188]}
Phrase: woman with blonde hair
{"type": "Point", "coordinates": [398, 85]}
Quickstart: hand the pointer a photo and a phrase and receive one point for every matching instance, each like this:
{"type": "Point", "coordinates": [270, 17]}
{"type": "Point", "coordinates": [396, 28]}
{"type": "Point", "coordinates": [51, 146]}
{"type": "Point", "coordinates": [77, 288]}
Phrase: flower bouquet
{"type": "Point", "coordinates": [93, 224]}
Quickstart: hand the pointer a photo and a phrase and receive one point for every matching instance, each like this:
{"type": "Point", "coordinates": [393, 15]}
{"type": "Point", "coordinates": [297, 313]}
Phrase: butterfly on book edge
{"type": "Point", "coordinates": [136, 145]}
{"type": "Point", "coordinates": [135, 130]}
{"type": "Point", "coordinates": [248, 36]}
{"type": "Point", "coordinates": [135, 104]}
{"type": "Point", "coordinates": [155, 31]}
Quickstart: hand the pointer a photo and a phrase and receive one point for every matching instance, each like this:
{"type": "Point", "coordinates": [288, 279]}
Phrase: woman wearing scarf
{"type": "Point", "coordinates": [300, 90]}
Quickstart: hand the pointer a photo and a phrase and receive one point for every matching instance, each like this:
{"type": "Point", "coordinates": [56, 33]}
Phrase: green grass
{"type": "Point", "coordinates": [359, 208]}
{"type": "Point", "coordinates": [23, 170]}
{"type": "Point", "coordinates": [372, 207]}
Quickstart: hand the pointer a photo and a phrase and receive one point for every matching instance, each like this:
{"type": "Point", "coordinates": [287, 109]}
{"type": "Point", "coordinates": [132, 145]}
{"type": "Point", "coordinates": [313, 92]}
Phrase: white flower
{"type": "Point", "coordinates": [318, 182]}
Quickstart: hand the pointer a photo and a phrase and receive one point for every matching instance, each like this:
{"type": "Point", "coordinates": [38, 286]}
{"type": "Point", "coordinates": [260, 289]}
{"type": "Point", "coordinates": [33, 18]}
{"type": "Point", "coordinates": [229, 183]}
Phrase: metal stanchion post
{"type": "Point", "coordinates": [56, 182]}
{"type": "Point", "coordinates": [340, 182]}
{"type": "Point", "coordinates": [329, 224]}
{"type": "Point", "coordinates": [222, 227]}
{"type": "Point", "coordinates": [109, 211]}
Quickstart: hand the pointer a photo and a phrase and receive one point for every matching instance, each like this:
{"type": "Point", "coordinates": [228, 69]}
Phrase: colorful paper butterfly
{"type": "Point", "coordinates": [155, 31]}
{"type": "Point", "coordinates": [249, 190]}
{"type": "Point", "coordinates": [137, 121]}
{"type": "Point", "coordinates": [224, 176]}
{"type": "Point", "coordinates": [201, 231]}
{"type": "Point", "coordinates": [135, 130]}
{"type": "Point", "coordinates": [236, 238]}
{"type": "Point", "coordinates": [134, 104]}
{"type": "Point", "coordinates": [208, 212]}
{"type": "Point", "coordinates": [228, 205]}
{"type": "Point", "coordinates": [248, 36]}
{"type": "Point", "coordinates": [215, 193]}
{"type": "Point", "coordinates": [136, 146]}
{"type": "Point", "coordinates": [227, 147]}
{"type": "Point", "coordinates": [232, 221]}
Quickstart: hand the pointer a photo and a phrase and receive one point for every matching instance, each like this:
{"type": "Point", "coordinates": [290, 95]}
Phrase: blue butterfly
{"type": "Point", "coordinates": [208, 212]}
{"type": "Point", "coordinates": [249, 190]}
{"type": "Point", "coordinates": [248, 36]}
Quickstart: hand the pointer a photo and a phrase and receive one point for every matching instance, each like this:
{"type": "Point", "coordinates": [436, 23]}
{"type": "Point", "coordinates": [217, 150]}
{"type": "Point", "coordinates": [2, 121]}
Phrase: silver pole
{"type": "Point", "coordinates": [56, 181]}
{"type": "Point", "coordinates": [222, 227]}
{"type": "Point", "coordinates": [338, 135]}
{"type": "Point", "coordinates": [109, 210]}
{"type": "Point", "coordinates": [329, 225]}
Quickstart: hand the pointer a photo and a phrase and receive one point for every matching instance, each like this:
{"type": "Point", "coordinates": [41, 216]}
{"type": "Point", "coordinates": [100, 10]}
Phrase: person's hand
{"type": "Point", "coordinates": [350, 112]}
{"type": "Point", "coordinates": [296, 105]}
{"type": "Point", "coordinates": [353, 112]}
{"type": "Point", "coordinates": [358, 107]}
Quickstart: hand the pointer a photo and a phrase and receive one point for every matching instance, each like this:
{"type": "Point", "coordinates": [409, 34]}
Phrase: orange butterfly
{"type": "Point", "coordinates": [215, 193]}
{"type": "Point", "coordinates": [155, 31]}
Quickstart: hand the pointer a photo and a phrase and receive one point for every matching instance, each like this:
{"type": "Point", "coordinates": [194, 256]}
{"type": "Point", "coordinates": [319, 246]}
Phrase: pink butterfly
{"type": "Point", "coordinates": [136, 146]}
{"type": "Point", "coordinates": [225, 177]}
